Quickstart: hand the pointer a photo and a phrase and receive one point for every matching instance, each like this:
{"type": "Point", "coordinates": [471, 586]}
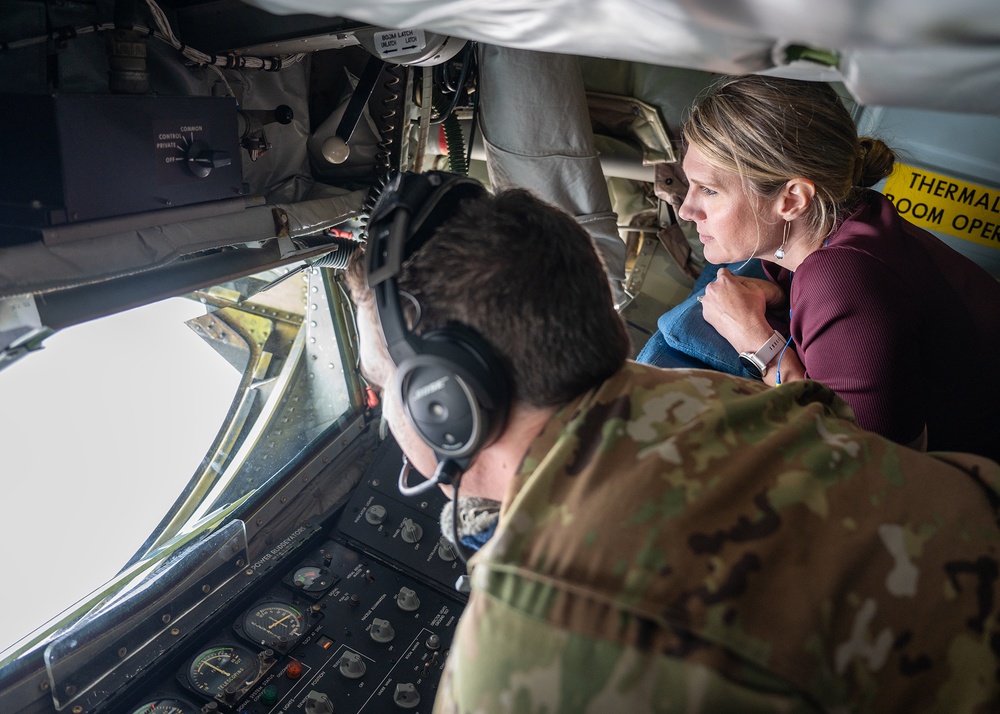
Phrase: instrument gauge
{"type": "Point", "coordinates": [273, 624]}
{"type": "Point", "coordinates": [313, 579]}
{"type": "Point", "coordinates": [223, 671]}
{"type": "Point", "coordinates": [167, 706]}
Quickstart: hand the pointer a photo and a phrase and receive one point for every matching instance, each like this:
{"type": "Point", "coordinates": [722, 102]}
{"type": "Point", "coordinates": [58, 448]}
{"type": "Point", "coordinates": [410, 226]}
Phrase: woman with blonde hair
{"type": "Point", "coordinates": [900, 325]}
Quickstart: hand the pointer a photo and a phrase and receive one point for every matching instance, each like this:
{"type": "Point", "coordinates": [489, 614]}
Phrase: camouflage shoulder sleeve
{"type": "Point", "coordinates": [689, 541]}
{"type": "Point", "coordinates": [504, 660]}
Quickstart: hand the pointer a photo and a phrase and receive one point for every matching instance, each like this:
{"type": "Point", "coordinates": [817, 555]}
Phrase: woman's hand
{"type": "Point", "coordinates": [735, 306]}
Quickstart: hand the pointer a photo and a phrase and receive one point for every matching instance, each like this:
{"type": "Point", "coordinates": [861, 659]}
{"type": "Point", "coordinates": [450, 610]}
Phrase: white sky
{"type": "Point", "coordinates": [99, 433]}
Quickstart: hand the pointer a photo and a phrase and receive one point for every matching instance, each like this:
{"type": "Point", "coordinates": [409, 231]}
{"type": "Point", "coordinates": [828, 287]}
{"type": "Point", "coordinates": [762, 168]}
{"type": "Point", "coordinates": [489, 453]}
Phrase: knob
{"type": "Point", "coordinates": [283, 114]}
{"type": "Point", "coordinates": [382, 631]}
{"type": "Point", "coordinates": [201, 159]}
{"type": "Point", "coordinates": [335, 150]}
{"type": "Point", "coordinates": [411, 532]}
{"type": "Point", "coordinates": [433, 642]}
{"type": "Point", "coordinates": [445, 551]}
{"type": "Point", "coordinates": [407, 600]}
{"type": "Point", "coordinates": [406, 696]}
{"type": "Point", "coordinates": [318, 703]}
{"type": "Point", "coordinates": [375, 514]}
{"type": "Point", "coordinates": [351, 665]}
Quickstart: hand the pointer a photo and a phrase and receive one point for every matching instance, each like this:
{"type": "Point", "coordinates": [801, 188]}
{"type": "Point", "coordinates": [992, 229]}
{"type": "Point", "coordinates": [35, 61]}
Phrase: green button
{"type": "Point", "coordinates": [270, 694]}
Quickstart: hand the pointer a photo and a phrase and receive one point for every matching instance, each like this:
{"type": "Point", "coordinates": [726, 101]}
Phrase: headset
{"type": "Point", "coordinates": [453, 388]}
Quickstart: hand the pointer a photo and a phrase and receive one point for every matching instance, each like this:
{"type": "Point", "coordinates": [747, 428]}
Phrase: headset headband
{"type": "Point", "coordinates": [451, 384]}
{"type": "Point", "coordinates": [408, 211]}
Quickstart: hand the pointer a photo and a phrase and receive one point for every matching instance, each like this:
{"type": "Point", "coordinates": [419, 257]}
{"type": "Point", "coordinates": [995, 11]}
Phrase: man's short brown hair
{"type": "Point", "coordinates": [527, 277]}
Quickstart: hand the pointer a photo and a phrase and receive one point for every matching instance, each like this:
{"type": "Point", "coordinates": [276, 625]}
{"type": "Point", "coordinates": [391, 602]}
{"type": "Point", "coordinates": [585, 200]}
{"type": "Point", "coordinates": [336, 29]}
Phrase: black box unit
{"type": "Point", "coordinates": [69, 158]}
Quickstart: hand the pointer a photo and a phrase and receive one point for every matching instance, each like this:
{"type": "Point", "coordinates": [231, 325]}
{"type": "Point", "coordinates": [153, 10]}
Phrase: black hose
{"type": "Point", "coordinates": [467, 60]}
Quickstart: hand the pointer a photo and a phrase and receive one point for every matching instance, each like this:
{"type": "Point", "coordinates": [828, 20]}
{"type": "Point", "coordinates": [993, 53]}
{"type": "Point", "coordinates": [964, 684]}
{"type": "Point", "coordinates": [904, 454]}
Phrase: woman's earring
{"type": "Point", "coordinates": [780, 252]}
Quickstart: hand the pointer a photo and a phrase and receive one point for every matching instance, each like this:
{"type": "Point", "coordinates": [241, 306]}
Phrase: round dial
{"type": "Point", "coordinates": [273, 624]}
{"type": "Point", "coordinates": [311, 578]}
{"type": "Point", "coordinates": [221, 668]}
{"type": "Point", "coordinates": [167, 706]}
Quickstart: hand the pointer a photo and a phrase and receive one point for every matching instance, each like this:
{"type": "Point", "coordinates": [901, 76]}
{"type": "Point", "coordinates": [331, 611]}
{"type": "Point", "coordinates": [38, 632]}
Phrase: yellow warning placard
{"type": "Point", "coordinates": [945, 204]}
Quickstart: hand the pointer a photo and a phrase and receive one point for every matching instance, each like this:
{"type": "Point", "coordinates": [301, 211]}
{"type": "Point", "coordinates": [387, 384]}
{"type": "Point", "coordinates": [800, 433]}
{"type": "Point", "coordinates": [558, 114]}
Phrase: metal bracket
{"type": "Point", "coordinates": [21, 329]}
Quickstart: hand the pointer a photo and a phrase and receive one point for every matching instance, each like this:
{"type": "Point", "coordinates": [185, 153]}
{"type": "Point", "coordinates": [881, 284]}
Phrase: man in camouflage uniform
{"type": "Point", "coordinates": [684, 540]}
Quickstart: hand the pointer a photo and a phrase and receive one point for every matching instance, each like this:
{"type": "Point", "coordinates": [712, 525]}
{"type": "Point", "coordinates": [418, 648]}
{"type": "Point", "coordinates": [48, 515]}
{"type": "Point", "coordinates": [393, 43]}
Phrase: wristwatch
{"type": "Point", "coordinates": [756, 362]}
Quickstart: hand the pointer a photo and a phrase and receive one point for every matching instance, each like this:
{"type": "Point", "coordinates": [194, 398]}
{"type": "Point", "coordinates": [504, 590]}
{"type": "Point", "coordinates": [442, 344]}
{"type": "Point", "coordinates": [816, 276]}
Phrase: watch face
{"type": "Point", "coordinates": [751, 367]}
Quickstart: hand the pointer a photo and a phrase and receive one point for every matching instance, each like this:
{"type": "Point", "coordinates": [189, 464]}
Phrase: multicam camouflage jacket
{"type": "Point", "coordinates": [687, 541]}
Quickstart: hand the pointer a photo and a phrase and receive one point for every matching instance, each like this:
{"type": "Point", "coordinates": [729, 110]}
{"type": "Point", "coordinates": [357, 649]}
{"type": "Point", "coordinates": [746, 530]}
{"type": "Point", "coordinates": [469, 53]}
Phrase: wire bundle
{"type": "Point", "coordinates": [165, 33]}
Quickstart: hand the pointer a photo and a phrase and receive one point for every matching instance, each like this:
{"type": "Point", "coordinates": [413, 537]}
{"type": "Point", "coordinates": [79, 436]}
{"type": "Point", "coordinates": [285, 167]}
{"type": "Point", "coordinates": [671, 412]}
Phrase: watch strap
{"type": "Point", "coordinates": [763, 356]}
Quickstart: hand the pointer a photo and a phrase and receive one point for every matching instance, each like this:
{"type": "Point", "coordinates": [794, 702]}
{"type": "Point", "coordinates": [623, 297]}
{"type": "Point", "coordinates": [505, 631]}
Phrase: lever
{"type": "Point", "coordinates": [252, 122]}
{"type": "Point", "coordinates": [336, 149]}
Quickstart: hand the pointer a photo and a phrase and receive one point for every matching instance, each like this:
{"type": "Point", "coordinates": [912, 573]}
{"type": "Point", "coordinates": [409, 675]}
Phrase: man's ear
{"type": "Point", "coordinates": [795, 198]}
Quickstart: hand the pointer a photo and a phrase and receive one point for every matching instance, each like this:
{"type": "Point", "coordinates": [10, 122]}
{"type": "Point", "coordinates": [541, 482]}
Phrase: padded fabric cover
{"type": "Point", "coordinates": [684, 339]}
{"type": "Point", "coordinates": [916, 53]}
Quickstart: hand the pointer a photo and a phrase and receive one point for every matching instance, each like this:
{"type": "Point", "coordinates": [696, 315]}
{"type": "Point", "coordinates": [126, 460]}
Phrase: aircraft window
{"type": "Point", "coordinates": [166, 414]}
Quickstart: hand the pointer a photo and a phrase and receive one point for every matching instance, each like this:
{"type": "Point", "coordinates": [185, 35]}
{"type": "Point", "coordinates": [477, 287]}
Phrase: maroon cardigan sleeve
{"type": "Point", "coordinates": [851, 321]}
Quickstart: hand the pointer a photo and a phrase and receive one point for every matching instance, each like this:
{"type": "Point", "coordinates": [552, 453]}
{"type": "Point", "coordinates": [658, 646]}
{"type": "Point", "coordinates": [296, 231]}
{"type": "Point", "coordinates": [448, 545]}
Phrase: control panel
{"type": "Point", "coordinates": [380, 520]}
{"type": "Point", "coordinates": [86, 157]}
{"type": "Point", "coordinates": [361, 622]}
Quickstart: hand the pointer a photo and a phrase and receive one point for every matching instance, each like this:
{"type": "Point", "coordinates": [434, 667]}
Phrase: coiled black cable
{"type": "Point", "coordinates": [339, 255]}
{"type": "Point", "coordinates": [387, 125]}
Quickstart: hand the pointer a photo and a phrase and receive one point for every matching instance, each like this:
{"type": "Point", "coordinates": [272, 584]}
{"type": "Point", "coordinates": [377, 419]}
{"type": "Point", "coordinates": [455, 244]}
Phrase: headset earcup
{"type": "Point", "coordinates": [454, 391]}
{"type": "Point", "coordinates": [441, 407]}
